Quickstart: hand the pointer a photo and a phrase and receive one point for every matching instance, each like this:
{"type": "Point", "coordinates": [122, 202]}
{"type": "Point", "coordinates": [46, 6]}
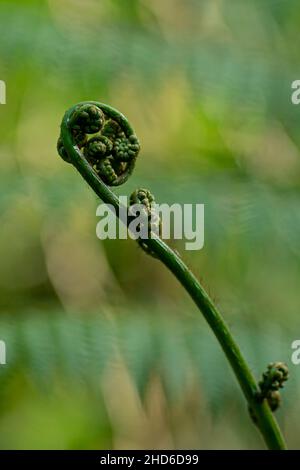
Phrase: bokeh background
{"type": "Point", "coordinates": [104, 348]}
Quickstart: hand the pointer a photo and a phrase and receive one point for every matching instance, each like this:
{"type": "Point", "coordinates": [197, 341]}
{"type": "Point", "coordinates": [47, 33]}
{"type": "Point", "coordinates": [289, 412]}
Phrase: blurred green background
{"type": "Point", "coordinates": [104, 348]}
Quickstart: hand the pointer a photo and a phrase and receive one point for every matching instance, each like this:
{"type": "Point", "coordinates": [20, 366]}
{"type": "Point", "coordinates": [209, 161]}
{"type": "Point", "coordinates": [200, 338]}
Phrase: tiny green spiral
{"type": "Point", "coordinates": [146, 199]}
{"type": "Point", "coordinates": [272, 381]}
{"type": "Point", "coordinates": [105, 139]}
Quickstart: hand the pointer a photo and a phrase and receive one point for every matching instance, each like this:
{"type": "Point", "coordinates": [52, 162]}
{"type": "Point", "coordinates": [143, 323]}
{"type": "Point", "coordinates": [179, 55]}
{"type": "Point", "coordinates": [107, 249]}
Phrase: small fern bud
{"type": "Point", "coordinates": [145, 198]}
{"type": "Point", "coordinates": [111, 129]}
{"type": "Point", "coordinates": [274, 400]}
{"type": "Point", "coordinates": [98, 147]}
{"type": "Point", "coordinates": [88, 119]}
{"type": "Point", "coordinates": [273, 379]}
{"type": "Point", "coordinates": [126, 149]}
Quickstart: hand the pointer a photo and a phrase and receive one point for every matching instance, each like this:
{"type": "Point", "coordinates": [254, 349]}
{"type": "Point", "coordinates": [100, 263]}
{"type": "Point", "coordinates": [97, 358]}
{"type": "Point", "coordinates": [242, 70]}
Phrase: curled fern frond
{"type": "Point", "coordinates": [144, 198]}
{"type": "Point", "coordinates": [101, 144]}
{"type": "Point", "coordinates": [272, 381]}
{"type": "Point", "coordinates": [104, 138]}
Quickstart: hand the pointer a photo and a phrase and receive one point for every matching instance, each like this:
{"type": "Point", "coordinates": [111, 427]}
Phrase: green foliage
{"type": "Point", "coordinates": [81, 349]}
{"type": "Point", "coordinates": [211, 102]}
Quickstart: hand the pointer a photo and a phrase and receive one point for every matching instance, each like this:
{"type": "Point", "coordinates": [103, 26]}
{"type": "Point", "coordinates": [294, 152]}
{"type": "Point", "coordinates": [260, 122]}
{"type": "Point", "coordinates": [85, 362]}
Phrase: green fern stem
{"type": "Point", "coordinates": [103, 164]}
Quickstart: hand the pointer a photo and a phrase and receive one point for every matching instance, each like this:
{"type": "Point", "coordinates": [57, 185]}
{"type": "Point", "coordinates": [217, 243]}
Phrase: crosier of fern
{"type": "Point", "coordinates": [99, 141]}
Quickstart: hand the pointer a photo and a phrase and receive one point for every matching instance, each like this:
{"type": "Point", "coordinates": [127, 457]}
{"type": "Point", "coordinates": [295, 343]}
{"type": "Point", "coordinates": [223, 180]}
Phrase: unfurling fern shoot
{"type": "Point", "coordinates": [99, 141]}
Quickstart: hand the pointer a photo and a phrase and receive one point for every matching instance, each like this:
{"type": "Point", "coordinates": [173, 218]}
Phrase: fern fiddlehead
{"type": "Point", "coordinates": [105, 138]}
{"type": "Point", "coordinates": [144, 198]}
{"type": "Point", "coordinates": [272, 381]}
{"type": "Point", "coordinates": [101, 144]}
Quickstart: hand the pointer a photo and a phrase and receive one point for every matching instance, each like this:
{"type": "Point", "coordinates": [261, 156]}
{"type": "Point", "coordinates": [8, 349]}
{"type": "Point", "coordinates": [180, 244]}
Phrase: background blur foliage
{"type": "Point", "coordinates": [104, 349]}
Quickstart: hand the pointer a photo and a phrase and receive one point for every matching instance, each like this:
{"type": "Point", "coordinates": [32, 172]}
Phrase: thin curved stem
{"type": "Point", "coordinates": [265, 418]}
{"type": "Point", "coordinates": [266, 421]}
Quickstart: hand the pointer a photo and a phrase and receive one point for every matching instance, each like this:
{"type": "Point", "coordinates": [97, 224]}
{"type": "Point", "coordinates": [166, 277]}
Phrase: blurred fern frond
{"type": "Point", "coordinates": [80, 350]}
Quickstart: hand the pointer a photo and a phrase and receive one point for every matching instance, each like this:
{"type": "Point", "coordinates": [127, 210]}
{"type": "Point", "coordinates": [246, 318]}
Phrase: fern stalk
{"type": "Point", "coordinates": [108, 160]}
